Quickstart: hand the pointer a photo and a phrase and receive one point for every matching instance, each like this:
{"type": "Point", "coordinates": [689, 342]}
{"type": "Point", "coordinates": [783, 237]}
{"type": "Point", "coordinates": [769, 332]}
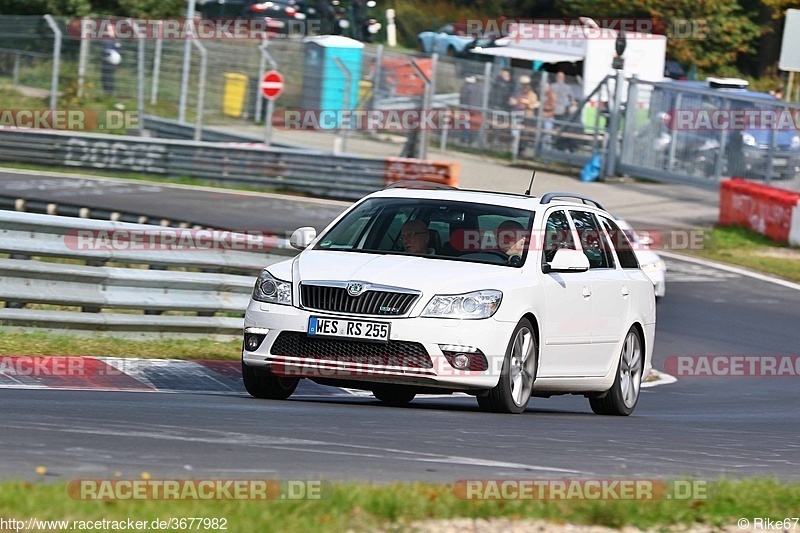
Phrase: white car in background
{"type": "Point", "coordinates": [565, 310]}
{"type": "Point", "coordinates": [651, 262]}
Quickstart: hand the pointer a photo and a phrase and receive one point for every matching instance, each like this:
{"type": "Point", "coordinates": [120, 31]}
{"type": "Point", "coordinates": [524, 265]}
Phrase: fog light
{"type": "Point", "coordinates": [252, 341]}
{"type": "Point", "coordinates": [461, 361]}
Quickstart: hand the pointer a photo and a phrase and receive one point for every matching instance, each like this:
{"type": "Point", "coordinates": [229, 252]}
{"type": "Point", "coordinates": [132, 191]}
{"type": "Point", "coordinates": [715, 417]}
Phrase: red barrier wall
{"type": "Point", "coordinates": [764, 209]}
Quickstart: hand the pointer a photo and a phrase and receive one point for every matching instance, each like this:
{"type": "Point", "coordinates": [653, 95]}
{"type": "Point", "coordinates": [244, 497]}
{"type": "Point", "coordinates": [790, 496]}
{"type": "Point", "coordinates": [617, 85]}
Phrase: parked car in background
{"type": "Point", "coordinates": [281, 16]}
{"type": "Point", "coordinates": [453, 40]}
{"type": "Point", "coordinates": [674, 70]}
{"type": "Point", "coordinates": [429, 291]}
{"type": "Point", "coordinates": [649, 261]}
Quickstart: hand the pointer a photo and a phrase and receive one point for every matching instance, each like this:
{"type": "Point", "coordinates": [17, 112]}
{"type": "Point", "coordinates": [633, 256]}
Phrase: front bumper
{"type": "Point", "coordinates": [784, 164]}
{"type": "Point", "coordinates": [488, 335]}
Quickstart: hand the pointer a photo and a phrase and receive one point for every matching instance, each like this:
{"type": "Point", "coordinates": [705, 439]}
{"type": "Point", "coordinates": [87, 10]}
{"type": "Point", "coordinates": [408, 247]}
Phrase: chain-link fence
{"type": "Point", "coordinates": [521, 114]}
{"type": "Point", "coordinates": [698, 134]}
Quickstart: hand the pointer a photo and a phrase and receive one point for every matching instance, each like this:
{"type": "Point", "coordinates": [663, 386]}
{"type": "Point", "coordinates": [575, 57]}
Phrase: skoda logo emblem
{"type": "Point", "coordinates": [355, 289]}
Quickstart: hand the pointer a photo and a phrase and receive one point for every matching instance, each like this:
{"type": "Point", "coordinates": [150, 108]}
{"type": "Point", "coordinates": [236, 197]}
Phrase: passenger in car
{"type": "Point", "coordinates": [415, 237]}
{"type": "Point", "coordinates": [511, 238]}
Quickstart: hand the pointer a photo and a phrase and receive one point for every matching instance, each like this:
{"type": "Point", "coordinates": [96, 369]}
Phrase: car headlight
{"type": "Point", "coordinates": [478, 304]}
{"type": "Point", "coordinates": [272, 290]}
{"type": "Point", "coordinates": [748, 139]}
{"type": "Point", "coordinates": [654, 266]}
{"type": "Point", "coordinates": [795, 141]}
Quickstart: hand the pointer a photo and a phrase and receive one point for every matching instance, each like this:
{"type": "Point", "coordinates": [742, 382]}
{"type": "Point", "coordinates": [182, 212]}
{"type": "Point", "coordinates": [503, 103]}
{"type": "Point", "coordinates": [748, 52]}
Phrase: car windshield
{"type": "Point", "coordinates": [440, 229]}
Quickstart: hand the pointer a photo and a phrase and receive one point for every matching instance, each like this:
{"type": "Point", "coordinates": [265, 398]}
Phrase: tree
{"type": "Point", "coordinates": [720, 31]}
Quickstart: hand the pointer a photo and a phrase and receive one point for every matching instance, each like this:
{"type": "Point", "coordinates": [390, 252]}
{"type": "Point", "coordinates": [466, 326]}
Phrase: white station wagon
{"type": "Point", "coordinates": [510, 296]}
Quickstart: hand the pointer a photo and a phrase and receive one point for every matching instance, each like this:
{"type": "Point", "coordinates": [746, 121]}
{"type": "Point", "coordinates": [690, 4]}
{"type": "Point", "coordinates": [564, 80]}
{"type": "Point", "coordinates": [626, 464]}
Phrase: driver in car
{"type": "Point", "coordinates": [415, 237]}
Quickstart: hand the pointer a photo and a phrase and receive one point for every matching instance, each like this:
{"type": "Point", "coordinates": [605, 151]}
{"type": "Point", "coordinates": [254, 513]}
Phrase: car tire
{"type": "Point", "coordinates": [451, 52]}
{"type": "Point", "coordinates": [261, 384]}
{"type": "Point", "coordinates": [622, 397]}
{"type": "Point", "coordinates": [394, 395]}
{"type": "Point", "coordinates": [513, 390]}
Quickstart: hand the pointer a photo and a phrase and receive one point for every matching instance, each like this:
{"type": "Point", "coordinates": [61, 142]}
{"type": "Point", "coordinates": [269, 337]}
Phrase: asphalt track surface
{"type": "Point", "coordinates": [700, 426]}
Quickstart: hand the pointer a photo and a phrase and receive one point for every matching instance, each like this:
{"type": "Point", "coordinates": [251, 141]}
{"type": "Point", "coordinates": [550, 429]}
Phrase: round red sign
{"type": "Point", "coordinates": [272, 84]}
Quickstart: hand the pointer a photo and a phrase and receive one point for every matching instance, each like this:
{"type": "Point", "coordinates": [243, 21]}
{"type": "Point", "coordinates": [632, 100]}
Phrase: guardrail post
{"type": "Point", "coordinates": [201, 91]}
{"type": "Point", "coordinates": [56, 61]}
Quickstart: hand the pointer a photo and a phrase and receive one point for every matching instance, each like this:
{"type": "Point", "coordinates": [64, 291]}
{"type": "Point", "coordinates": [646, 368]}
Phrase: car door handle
{"type": "Point", "coordinates": [625, 291]}
{"type": "Point", "coordinates": [586, 292]}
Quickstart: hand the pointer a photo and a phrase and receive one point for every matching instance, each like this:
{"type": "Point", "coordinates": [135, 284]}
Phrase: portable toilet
{"type": "Point", "coordinates": [326, 85]}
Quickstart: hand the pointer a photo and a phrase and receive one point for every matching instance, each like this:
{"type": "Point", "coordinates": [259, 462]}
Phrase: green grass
{"type": "Point", "coordinates": [743, 247]}
{"type": "Point", "coordinates": [45, 343]}
{"type": "Point", "coordinates": [394, 507]}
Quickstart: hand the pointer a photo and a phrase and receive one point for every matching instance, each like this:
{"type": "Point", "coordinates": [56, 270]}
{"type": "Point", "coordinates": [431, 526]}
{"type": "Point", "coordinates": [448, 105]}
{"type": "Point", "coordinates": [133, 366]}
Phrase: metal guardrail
{"type": "Point", "coordinates": [165, 128]}
{"type": "Point", "coordinates": [151, 291]}
{"type": "Point", "coordinates": [321, 174]}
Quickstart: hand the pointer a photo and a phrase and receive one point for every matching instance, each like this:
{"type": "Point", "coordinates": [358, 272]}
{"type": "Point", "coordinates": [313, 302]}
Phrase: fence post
{"type": "Point", "coordinates": [376, 77]}
{"type": "Point", "coordinates": [427, 97]}
{"type": "Point", "coordinates": [201, 91]}
{"type": "Point", "coordinates": [341, 146]}
{"type": "Point", "coordinates": [630, 117]}
{"type": "Point", "coordinates": [156, 65]}
{"type": "Point", "coordinates": [187, 61]}
{"type": "Point", "coordinates": [723, 142]}
{"type": "Point", "coordinates": [613, 129]}
{"type": "Point", "coordinates": [56, 61]}
{"type": "Point", "coordinates": [140, 78]}
{"type": "Point", "coordinates": [266, 57]}
{"type": "Point", "coordinates": [537, 145]}
{"type": "Point", "coordinates": [487, 87]}
{"type": "Point", "coordinates": [83, 58]}
{"type": "Point", "coordinates": [15, 76]}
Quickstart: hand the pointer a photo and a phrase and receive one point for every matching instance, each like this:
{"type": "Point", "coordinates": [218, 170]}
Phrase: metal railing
{"type": "Point", "coordinates": [40, 282]}
{"type": "Point", "coordinates": [318, 173]}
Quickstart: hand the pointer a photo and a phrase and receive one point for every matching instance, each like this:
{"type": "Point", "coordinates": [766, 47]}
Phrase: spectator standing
{"type": "Point", "coordinates": [502, 91]}
{"type": "Point", "coordinates": [563, 93]}
{"type": "Point", "coordinates": [111, 59]}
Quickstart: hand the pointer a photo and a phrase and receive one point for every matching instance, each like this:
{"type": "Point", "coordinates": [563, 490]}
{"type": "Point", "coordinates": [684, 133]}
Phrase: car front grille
{"type": "Point", "coordinates": [393, 353]}
{"type": "Point", "coordinates": [371, 302]}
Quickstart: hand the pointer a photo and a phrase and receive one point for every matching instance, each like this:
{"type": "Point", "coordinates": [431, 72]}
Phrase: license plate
{"type": "Point", "coordinates": [778, 162]}
{"type": "Point", "coordinates": [348, 329]}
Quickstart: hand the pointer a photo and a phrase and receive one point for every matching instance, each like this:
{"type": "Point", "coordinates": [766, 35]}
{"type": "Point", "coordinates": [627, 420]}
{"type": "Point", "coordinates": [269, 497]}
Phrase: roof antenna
{"type": "Point", "coordinates": [533, 177]}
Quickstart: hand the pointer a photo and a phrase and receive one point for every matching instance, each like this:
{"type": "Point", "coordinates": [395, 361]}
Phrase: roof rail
{"type": "Point", "coordinates": [585, 199]}
{"type": "Point", "coordinates": [418, 184]}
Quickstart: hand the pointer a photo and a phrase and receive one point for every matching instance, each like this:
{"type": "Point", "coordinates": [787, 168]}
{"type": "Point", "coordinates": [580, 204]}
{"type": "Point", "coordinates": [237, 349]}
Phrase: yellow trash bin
{"type": "Point", "coordinates": [364, 92]}
{"type": "Point", "coordinates": [234, 94]}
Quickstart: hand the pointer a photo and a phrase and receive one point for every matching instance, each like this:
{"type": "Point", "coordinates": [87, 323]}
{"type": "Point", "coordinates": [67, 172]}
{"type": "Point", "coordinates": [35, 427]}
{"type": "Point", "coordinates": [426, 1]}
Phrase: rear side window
{"type": "Point", "coordinates": [593, 240]}
{"type": "Point", "coordinates": [620, 242]}
{"type": "Point", "coordinates": [557, 235]}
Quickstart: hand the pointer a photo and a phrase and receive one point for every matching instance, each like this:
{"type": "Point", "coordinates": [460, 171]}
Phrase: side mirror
{"type": "Point", "coordinates": [302, 237]}
{"type": "Point", "coordinates": [567, 260]}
